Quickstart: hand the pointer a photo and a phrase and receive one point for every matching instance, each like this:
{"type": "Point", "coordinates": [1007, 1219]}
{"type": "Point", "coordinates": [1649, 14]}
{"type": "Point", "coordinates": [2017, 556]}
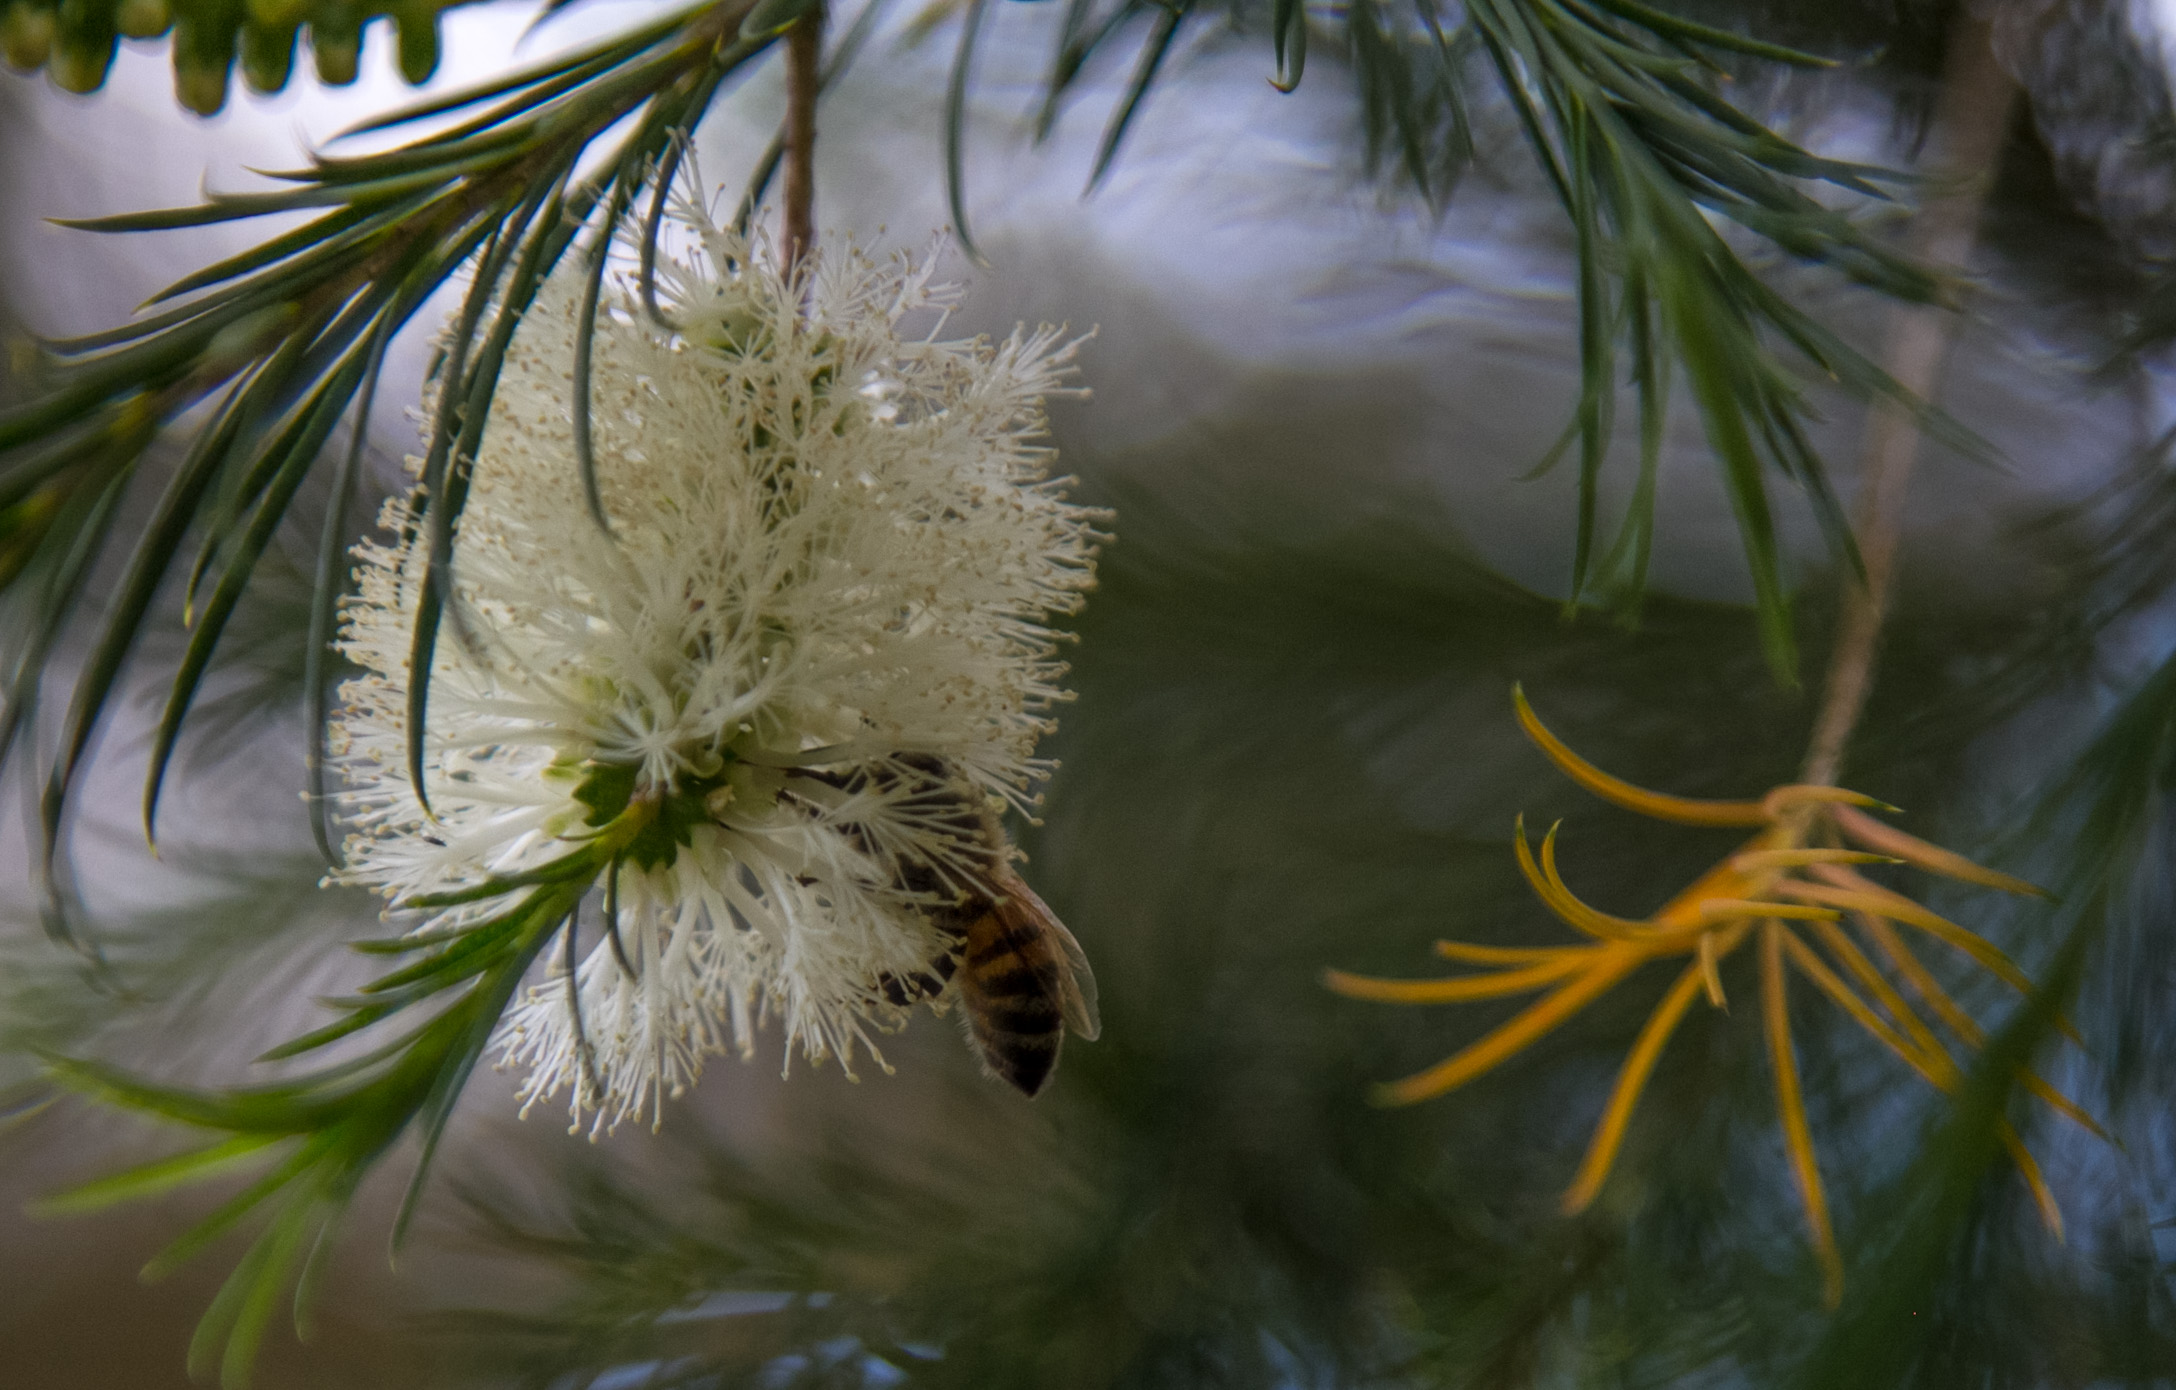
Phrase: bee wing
{"type": "Point", "coordinates": [1074, 987]}
{"type": "Point", "coordinates": [1078, 996]}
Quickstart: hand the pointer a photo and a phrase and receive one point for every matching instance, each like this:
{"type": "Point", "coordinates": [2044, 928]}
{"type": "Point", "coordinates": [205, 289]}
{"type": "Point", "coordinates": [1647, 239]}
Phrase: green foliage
{"type": "Point", "coordinates": [283, 339]}
{"type": "Point", "coordinates": [74, 40]}
{"type": "Point", "coordinates": [1621, 107]}
{"type": "Point", "coordinates": [2103, 812]}
{"type": "Point", "coordinates": [153, 964]}
{"type": "Point", "coordinates": [277, 343]}
{"type": "Point", "coordinates": [1640, 149]}
{"type": "Point", "coordinates": [323, 1132]}
{"type": "Point", "coordinates": [1287, 755]}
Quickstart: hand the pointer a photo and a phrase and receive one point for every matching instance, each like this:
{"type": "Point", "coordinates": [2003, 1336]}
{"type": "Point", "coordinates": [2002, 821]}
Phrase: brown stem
{"type": "Point", "coordinates": [804, 52]}
{"type": "Point", "coordinates": [1971, 117]}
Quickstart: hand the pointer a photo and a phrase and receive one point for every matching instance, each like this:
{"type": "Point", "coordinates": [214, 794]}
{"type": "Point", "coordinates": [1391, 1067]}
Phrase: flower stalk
{"type": "Point", "coordinates": [1971, 119]}
{"type": "Point", "coordinates": [804, 81]}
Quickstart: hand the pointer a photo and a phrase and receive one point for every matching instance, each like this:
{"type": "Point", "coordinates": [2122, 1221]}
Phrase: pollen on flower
{"type": "Point", "coordinates": [834, 549]}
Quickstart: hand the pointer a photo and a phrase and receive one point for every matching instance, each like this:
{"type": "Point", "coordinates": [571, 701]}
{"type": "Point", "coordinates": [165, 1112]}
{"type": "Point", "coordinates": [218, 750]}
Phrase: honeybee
{"type": "Point", "coordinates": [1022, 979]}
{"type": "Point", "coordinates": [1019, 977]}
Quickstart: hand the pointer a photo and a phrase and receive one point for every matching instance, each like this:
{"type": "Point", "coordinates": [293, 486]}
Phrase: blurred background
{"type": "Point", "coordinates": [1317, 405]}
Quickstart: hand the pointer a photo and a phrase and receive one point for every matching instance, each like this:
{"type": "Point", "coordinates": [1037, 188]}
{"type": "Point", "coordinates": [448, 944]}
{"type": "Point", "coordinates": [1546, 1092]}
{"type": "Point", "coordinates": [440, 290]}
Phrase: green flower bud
{"type": "Point", "coordinates": [273, 14]}
{"type": "Point", "coordinates": [143, 19]}
{"type": "Point", "coordinates": [268, 56]}
{"type": "Point", "coordinates": [203, 57]}
{"type": "Point", "coordinates": [418, 26]}
{"type": "Point", "coordinates": [26, 36]}
{"type": "Point", "coordinates": [200, 77]}
{"type": "Point", "coordinates": [80, 65]}
{"type": "Point", "coordinates": [773, 17]}
{"type": "Point", "coordinates": [84, 53]}
{"type": "Point", "coordinates": [336, 45]}
{"type": "Point", "coordinates": [199, 85]}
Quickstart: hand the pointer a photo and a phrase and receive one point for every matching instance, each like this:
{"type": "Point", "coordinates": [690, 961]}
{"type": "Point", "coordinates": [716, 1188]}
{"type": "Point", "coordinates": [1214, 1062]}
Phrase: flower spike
{"type": "Point", "coordinates": [1795, 885]}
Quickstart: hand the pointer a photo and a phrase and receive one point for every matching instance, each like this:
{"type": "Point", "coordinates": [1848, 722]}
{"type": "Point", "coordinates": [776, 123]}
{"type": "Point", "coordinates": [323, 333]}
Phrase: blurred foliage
{"type": "Point", "coordinates": [1627, 111]}
{"type": "Point", "coordinates": [75, 40]}
{"type": "Point", "coordinates": [292, 333]}
{"type": "Point", "coordinates": [1284, 757]}
{"type": "Point", "coordinates": [175, 959]}
{"type": "Point", "coordinates": [223, 905]}
{"type": "Point", "coordinates": [1624, 108]}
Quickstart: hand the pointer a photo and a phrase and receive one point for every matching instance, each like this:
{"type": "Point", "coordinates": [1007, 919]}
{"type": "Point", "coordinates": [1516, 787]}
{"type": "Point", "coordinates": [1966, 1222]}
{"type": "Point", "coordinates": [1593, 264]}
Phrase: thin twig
{"type": "Point", "coordinates": [804, 78]}
{"type": "Point", "coordinates": [1972, 116]}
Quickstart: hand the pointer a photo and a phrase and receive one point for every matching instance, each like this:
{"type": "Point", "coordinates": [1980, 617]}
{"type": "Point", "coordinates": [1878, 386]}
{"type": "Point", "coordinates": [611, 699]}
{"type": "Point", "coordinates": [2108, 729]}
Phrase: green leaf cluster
{"type": "Point", "coordinates": [278, 343]}
{"type": "Point", "coordinates": [265, 354]}
{"type": "Point", "coordinates": [267, 351]}
{"type": "Point", "coordinates": [323, 1132]}
{"type": "Point", "coordinates": [1622, 107]}
{"type": "Point", "coordinates": [1286, 754]}
{"type": "Point", "coordinates": [75, 40]}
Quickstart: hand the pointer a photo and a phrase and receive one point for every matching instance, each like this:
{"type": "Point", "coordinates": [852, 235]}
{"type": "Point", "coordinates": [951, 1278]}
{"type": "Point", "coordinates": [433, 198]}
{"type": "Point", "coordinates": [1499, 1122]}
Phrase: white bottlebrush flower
{"type": "Point", "coordinates": [811, 654]}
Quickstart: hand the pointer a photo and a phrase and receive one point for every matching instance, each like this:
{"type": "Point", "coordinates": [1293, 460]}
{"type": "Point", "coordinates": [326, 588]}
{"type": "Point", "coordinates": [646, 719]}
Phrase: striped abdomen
{"type": "Point", "coordinates": [1013, 1015]}
{"type": "Point", "coordinates": [1021, 977]}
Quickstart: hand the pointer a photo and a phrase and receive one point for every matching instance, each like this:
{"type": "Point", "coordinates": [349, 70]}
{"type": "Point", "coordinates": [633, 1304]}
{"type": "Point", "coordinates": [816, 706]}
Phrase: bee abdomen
{"type": "Point", "coordinates": [1016, 1024]}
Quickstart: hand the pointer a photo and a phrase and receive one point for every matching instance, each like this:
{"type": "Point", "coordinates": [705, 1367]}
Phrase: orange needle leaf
{"type": "Point", "coordinates": [1710, 973]}
{"type": "Point", "coordinates": [1783, 800]}
{"type": "Point", "coordinates": [1499, 955]}
{"type": "Point", "coordinates": [1791, 1109]}
{"type": "Point", "coordinates": [1606, 966]}
{"type": "Point", "coordinates": [2050, 1214]}
{"type": "Point", "coordinates": [1845, 950]}
{"type": "Point", "coordinates": [1936, 1068]}
{"type": "Point", "coordinates": [1492, 986]}
{"type": "Point", "coordinates": [1631, 1080]}
{"type": "Point", "coordinates": [1847, 889]}
{"type": "Point", "coordinates": [1794, 869]}
{"type": "Point", "coordinates": [1921, 979]}
{"type": "Point", "coordinates": [1549, 886]}
{"type": "Point", "coordinates": [2062, 1104]}
{"type": "Point", "coordinates": [1732, 909]}
{"type": "Point", "coordinates": [1903, 909]}
{"type": "Point", "coordinates": [1933, 858]}
{"type": "Point", "coordinates": [1842, 947]}
{"type": "Point", "coordinates": [1684, 810]}
{"type": "Point", "coordinates": [1755, 860]}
